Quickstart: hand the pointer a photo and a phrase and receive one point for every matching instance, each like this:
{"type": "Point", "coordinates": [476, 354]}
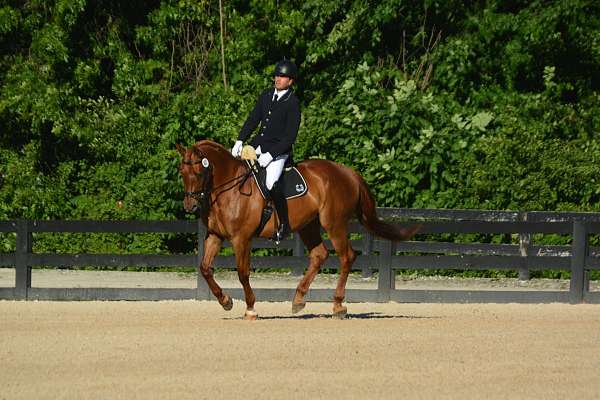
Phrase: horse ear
{"type": "Point", "coordinates": [180, 149]}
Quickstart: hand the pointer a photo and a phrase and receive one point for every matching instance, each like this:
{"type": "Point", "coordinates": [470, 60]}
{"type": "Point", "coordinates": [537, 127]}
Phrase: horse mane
{"type": "Point", "coordinates": [213, 147]}
{"type": "Point", "coordinates": [209, 143]}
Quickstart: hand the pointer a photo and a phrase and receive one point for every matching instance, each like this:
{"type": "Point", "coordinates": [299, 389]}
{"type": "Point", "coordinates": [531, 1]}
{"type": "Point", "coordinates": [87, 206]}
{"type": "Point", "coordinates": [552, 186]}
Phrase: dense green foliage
{"type": "Point", "coordinates": [449, 104]}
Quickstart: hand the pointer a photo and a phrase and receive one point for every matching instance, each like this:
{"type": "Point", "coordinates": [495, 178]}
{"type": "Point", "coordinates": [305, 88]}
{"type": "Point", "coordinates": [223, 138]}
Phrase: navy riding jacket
{"type": "Point", "coordinates": [279, 122]}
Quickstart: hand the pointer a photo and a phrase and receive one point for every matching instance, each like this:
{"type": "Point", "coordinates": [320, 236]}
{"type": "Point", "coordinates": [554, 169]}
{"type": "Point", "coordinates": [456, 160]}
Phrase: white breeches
{"type": "Point", "coordinates": [274, 169]}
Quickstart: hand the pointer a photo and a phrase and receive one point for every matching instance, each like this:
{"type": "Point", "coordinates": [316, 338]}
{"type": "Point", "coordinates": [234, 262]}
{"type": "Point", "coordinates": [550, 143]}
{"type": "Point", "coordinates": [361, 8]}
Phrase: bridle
{"type": "Point", "coordinates": [203, 195]}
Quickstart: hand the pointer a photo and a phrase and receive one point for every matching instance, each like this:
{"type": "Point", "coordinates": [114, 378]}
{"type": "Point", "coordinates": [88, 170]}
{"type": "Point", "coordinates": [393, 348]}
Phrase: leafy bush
{"type": "Point", "coordinates": [437, 104]}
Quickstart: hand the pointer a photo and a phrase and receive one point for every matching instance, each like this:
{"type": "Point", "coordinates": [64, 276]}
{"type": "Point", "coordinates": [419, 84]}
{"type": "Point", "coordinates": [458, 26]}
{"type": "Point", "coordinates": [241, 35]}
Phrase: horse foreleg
{"type": "Point", "coordinates": [317, 253]}
{"type": "Point", "coordinates": [212, 245]}
{"type": "Point", "coordinates": [242, 257]}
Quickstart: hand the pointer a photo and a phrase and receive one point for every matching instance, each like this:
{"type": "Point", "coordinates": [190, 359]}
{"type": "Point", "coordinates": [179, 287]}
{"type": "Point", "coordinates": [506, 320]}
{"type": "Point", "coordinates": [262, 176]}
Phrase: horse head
{"type": "Point", "coordinates": [196, 171]}
{"type": "Point", "coordinates": [207, 167]}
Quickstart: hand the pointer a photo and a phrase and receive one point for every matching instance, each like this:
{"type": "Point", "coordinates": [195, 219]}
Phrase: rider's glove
{"type": "Point", "coordinates": [236, 151]}
{"type": "Point", "coordinates": [265, 159]}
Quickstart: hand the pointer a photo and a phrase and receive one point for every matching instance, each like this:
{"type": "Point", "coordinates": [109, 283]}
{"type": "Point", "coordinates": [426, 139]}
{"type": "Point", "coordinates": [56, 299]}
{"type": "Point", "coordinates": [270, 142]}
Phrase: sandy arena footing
{"type": "Point", "coordinates": [196, 350]}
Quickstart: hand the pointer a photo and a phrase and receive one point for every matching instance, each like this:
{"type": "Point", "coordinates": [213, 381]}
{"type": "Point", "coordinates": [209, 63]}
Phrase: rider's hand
{"type": "Point", "coordinates": [236, 151]}
{"type": "Point", "coordinates": [265, 159]}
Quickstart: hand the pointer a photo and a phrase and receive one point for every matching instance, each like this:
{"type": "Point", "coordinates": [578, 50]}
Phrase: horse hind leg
{"type": "Point", "coordinates": [241, 248]}
{"type": "Point", "coordinates": [339, 239]}
{"type": "Point", "coordinates": [317, 253]}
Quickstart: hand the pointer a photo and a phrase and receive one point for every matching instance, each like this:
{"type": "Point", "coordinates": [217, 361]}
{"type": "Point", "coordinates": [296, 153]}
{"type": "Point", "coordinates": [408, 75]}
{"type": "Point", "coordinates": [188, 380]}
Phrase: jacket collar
{"type": "Point", "coordinates": [285, 96]}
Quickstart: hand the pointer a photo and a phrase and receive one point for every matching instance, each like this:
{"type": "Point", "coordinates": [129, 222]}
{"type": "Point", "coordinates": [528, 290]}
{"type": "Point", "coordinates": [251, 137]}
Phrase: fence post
{"type": "Point", "coordinates": [298, 252]}
{"type": "Point", "coordinates": [367, 250]}
{"type": "Point", "coordinates": [579, 251]}
{"type": "Point", "coordinates": [202, 292]}
{"type": "Point", "coordinates": [386, 280]}
{"type": "Point", "coordinates": [23, 270]}
{"type": "Point", "coordinates": [524, 247]}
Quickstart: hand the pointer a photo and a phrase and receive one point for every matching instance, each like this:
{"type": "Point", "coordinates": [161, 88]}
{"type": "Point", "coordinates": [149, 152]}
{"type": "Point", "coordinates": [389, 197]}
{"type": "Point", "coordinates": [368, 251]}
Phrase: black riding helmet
{"type": "Point", "coordinates": [286, 68]}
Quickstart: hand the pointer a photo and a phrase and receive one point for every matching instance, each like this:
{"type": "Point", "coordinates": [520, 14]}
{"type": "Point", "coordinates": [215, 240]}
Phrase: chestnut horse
{"type": "Point", "coordinates": [230, 205]}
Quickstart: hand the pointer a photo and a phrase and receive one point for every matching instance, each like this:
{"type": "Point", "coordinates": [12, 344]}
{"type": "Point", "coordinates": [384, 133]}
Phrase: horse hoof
{"type": "Point", "coordinates": [228, 304]}
{"type": "Point", "coordinates": [250, 315]}
{"type": "Point", "coordinates": [298, 307]}
{"type": "Point", "coordinates": [340, 312]}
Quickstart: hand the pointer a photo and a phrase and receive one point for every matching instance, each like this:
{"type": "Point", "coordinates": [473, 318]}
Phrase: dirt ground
{"type": "Point", "coordinates": [194, 349]}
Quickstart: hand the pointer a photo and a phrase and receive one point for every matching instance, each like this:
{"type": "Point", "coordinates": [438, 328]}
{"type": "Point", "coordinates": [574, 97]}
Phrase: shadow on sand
{"type": "Point", "coordinates": [368, 315]}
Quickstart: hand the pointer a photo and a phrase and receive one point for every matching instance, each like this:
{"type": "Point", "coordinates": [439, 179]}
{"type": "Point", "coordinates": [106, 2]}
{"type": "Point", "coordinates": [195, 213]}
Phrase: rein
{"type": "Point", "coordinates": [203, 195]}
{"type": "Point", "coordinates": [243, 177]}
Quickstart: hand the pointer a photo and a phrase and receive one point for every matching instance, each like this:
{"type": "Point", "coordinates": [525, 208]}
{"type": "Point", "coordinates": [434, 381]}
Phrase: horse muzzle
{"type": "Point", "coordinates": [190, 204]}
{"type": "Point", "coordinates": [193, 201]}
{"type": "Point", "coordinates": [190, 208]}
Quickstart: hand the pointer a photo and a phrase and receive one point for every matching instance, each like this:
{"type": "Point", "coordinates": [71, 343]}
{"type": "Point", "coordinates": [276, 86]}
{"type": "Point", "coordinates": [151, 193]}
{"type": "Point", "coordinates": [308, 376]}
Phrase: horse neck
{"type": "Point", "coordinates": [225, 166]}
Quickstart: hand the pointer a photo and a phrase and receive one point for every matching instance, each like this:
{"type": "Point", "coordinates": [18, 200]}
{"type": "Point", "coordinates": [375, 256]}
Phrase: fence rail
{"type": "Point", "coordinates": [382, 256]}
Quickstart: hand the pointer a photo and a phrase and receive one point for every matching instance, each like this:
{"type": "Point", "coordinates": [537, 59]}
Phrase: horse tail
{"type": "Point", "coordinates": [367, 215]}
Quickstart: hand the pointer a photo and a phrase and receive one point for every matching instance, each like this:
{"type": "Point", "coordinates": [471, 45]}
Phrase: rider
{"type": "Point", "coordinates": [278, 113]}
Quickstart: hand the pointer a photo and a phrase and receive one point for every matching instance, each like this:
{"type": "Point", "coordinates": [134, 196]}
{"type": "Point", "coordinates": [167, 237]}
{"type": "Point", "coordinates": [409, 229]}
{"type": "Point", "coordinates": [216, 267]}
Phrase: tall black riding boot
{"type": "Point", "coordinates": [282, 212]}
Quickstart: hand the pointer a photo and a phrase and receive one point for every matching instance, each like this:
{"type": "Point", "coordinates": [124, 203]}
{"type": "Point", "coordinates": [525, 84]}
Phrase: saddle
{"type": "Point", "coordinates": [291, 179]}
{"type": "Point", "coordinates": [293, 183]}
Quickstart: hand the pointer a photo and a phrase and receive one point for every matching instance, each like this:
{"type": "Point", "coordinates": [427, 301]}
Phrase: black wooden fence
{"type": "Point", "coordinates": [382, 256]}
